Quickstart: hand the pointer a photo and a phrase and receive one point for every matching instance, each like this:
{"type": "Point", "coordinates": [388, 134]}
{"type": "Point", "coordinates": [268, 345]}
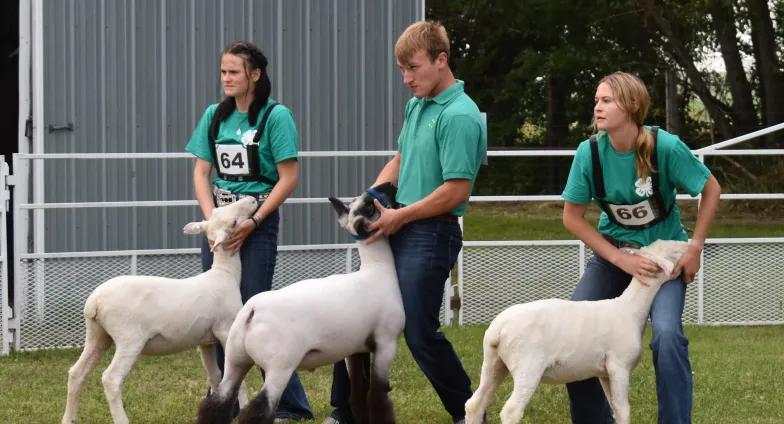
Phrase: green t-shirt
{"type": "Point", "coordinates": [678, 168]}
{"type": "Point", "coordinates": [441, 139]}
{"type": "Point", "coordinates": [278, 142]}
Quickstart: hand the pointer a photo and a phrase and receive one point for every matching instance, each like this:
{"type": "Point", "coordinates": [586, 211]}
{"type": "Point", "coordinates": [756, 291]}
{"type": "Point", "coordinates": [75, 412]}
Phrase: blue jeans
{"type": "Point", "coordinates": [258, 254]}
{"type": "Point", "coordinates": [425, 252]}
{"type": "Point", "coordinates": [588, 404]}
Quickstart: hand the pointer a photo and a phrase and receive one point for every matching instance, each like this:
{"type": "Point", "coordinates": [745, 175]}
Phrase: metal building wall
{"type": "Point", "coordinates": [135, 76]}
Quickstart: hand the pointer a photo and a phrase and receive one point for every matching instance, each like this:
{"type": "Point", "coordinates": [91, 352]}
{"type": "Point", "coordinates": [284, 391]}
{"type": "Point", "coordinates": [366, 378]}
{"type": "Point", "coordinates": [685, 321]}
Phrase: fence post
{"type": "Point", "coordinates": [700, 273]}
{"type": "Point", "coordinates": [348, 260]}
{"type": "Point", "coordinates": [460, 274]}
{"type": "Point", "coordinates": [4, 309]}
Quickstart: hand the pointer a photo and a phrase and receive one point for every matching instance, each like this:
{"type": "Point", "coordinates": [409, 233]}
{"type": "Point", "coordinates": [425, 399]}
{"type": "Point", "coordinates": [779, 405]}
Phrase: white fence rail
{"type": "Point", "coordinates": [740, 281]}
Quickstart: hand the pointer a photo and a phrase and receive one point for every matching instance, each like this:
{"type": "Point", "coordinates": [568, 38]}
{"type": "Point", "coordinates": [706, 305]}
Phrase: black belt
{"type": "Point", "coordinates": [444, 217]}
{"type": "Point", "coordinates": [620, 244]}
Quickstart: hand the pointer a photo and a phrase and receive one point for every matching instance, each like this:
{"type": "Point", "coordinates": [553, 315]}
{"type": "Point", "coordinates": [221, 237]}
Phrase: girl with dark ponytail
{"type": "Point", "coordinates": [251, 141]}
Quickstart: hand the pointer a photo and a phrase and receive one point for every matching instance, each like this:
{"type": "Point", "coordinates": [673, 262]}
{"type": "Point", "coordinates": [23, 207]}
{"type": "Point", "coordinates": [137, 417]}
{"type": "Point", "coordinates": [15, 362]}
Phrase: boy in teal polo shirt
{"type": "Point", "coordinates": [440, 148]}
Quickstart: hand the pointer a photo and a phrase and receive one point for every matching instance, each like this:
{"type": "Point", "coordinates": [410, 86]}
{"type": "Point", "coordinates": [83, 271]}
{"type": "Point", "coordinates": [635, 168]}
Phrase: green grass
{"type": "Point", "coordinates": [737, 380]}
{"type": "Point", "coordinates": [543, 221]}
{"type": "Point", "coordinates": [737, 371]}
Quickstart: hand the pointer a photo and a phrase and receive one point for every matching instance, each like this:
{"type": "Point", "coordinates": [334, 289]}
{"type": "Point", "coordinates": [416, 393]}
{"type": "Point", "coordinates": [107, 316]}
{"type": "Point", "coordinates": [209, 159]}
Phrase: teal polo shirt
{"type": "Point", "coordinates": [277, 143]}
{"type": "Point", "coordinates": [442, 138]}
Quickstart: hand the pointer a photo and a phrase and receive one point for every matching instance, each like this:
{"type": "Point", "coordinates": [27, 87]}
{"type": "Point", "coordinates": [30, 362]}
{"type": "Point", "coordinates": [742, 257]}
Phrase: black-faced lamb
{"type": "Point", "coordinates": [318, 322]}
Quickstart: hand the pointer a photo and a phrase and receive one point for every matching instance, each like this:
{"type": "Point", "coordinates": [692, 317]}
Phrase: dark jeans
{"type": "Point", "coordinates": [425, 252]}
{"type": "Point", "coordinates": [588, 404]}
{"type": "Point", "coordinates": [258, 255]}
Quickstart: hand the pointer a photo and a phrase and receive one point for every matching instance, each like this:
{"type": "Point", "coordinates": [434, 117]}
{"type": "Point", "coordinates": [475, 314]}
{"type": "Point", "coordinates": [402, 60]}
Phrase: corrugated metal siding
{"type": "Point", "coordinates": [135, 76]}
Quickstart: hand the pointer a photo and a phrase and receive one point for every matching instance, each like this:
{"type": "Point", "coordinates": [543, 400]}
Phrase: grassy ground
{"type": "Point", "coordinates": [543, 220]}
{"type": "Point", "coordinates": [737, 371]}
{"type": "Point", "coordinates": [737, 380]}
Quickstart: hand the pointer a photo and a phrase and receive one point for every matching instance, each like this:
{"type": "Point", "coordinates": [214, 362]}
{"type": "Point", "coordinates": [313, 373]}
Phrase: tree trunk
{"type": "Point", "coordinates": [714, 106]}
{"type": "Point", "coordinates": [770, 73]}
{"type": "Point", "coordinates": [744, 114]}
{"type": "Point", "coordinates": [557, 127]}
{"type": "Point", "coordinates": [671, 95]}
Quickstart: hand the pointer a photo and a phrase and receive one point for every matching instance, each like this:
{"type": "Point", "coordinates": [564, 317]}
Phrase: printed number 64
{"type": "Point", "coordinates": [224, 158]}
{"type": "Point", "coordinates": [638, 212]}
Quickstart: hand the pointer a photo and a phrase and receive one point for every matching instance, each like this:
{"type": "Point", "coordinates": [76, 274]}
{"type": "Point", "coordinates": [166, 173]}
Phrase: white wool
{"type": "Point", "coordinates": [317, 322]}
{"type": "Point", "coordinates": [147, 315]}
{"type": "Point", "coordinates": [558, 341]}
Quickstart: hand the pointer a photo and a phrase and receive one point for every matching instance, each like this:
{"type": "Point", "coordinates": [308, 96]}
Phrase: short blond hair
{"type": "Point", "coordinates": [429, 36]}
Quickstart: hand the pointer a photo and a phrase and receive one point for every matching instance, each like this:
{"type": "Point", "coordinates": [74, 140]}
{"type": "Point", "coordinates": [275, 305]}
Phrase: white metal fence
{"type": "Point", "coordinates": [740, 281]}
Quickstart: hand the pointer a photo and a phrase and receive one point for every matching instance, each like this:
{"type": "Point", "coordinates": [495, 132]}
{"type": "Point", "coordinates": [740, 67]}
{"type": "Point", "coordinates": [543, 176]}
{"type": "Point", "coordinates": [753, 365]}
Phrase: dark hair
{"type": "Point", "coordinates": [254, 59]}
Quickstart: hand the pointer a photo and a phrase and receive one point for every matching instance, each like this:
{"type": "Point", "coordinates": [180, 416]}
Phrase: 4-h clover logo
{"type": "Point", "coordinates": [431, 124]}
{"type": "Point", "coordinates": [247, 138]}
{"type": "Point", "coordinates": [644, 189]}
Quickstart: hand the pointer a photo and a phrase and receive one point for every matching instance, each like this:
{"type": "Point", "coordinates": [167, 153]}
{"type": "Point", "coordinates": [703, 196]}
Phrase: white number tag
{"type": "Point", "coordinates": [232, 159]}
{"type": "Point", "coordinates": [638, 214]}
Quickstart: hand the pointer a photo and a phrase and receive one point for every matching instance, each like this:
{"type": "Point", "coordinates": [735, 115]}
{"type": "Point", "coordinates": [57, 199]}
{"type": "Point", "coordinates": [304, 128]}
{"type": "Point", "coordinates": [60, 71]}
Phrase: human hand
{"type": "Point", "coordinates": [241, 232]}
{"type": "Point", "coordinates": [388, 224]}
{"type": "Point", "coordinates": [638, 267]}
{"type": "Point", "coordinates": [689, 264]}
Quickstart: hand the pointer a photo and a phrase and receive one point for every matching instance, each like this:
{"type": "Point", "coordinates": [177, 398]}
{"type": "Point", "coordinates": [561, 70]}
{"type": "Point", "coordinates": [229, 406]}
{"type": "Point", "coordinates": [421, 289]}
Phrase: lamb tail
{"type": "Point", "coordinates": [91, 308]}
{"type": "Point", "coordinates": [493, 335]}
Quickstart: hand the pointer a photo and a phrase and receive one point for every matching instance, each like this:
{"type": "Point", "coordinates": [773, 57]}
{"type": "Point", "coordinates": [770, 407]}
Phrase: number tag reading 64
{"type": "Point", "coordinates": [638, 214]}
{"type": "Point", "coordinates": [232, 159]}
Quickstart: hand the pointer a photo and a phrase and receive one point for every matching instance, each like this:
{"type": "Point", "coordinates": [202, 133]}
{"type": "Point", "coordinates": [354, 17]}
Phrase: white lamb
{"type": "Point", "coordinates": [318, 322]}
{"type": "Point", "coordinates": [159, 316]}
{"type": "Point", "coordinates": [557, 341]}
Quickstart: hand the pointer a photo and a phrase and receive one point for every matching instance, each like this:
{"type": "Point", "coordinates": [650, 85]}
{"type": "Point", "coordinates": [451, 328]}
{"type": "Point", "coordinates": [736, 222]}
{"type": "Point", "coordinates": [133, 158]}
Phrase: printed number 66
{"type": "Point", "coordinates": [638, 212]}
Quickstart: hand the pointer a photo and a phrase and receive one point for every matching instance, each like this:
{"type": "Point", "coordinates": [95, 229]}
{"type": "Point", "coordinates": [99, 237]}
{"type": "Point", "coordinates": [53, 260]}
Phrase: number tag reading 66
{"type": "Point", "coordinates": [232, 159]}
{"type": "Point", "coordinates": [638, 214]}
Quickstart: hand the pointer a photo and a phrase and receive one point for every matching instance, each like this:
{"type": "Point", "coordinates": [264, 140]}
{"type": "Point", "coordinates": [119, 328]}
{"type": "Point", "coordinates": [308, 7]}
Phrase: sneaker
{"type": "Point", "coordinates": [282, 421]}
{"type": "Point", "coordinates": [331, 420]}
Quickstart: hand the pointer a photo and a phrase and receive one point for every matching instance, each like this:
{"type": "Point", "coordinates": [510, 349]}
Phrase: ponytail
{"type": "Point", "coordinates": [642, 152]}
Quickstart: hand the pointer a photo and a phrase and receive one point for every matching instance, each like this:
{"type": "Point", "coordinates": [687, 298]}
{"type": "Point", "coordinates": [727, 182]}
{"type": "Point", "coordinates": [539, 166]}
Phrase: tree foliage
{"type": "Point", "coordinates": [534, 66]}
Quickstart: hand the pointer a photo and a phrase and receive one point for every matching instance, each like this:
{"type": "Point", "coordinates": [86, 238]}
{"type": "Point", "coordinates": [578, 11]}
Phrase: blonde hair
{"type": "Point", "coordinates": [429, 36]}
{"type": "Point", "coordinates": [629, 93]}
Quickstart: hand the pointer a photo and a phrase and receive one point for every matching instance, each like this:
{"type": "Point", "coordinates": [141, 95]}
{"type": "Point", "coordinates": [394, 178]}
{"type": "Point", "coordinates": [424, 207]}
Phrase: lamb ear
{"type": "Point", "coordinates": [665, 264]}
{"type": "Point", "coordinates": [194, 227]}
{"type": "Point", "coordinates": [341, 209]}
{"type": "Point", "coordinates": [219, 238]}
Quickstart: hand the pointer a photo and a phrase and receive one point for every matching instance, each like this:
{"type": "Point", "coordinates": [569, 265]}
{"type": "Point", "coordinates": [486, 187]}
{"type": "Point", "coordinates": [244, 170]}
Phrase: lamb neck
{"type": "Point", "coordinates": [637, 299]}
{"type": "Point", "coordinates": [223, 260]}
{"type": "Point", "coordinates": [377, 254]}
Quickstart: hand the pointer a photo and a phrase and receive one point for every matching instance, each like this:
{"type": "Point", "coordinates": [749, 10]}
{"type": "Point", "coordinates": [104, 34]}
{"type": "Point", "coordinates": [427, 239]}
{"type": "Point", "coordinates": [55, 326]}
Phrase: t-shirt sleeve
{"type": "Point", "coordinates": [400, 138]}
{"type": "Point", "coordinates": [578, 190]}
{"type": "Point", "coordinates": [283, 135]}
{"type": "Point", "coordinates": [199, 144]}
{"type": "Point", "coordinates": [459, 140]}
{"type": "Point", "coordinates": [685, 170]}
